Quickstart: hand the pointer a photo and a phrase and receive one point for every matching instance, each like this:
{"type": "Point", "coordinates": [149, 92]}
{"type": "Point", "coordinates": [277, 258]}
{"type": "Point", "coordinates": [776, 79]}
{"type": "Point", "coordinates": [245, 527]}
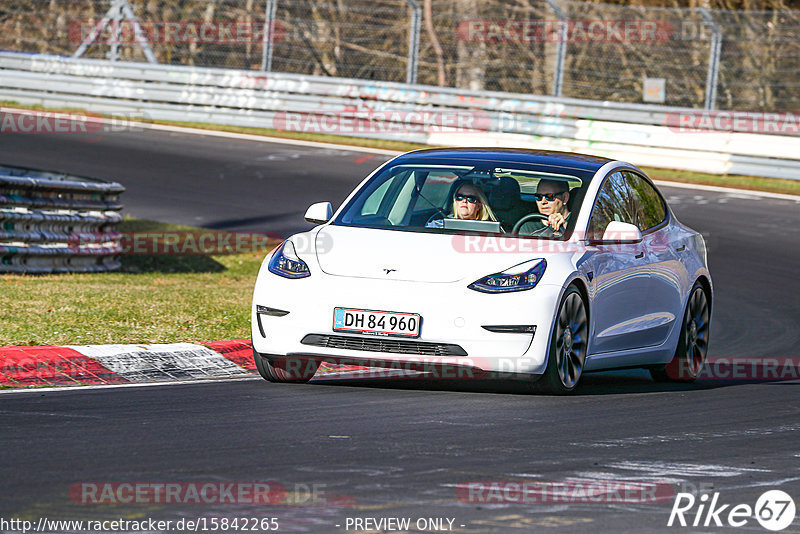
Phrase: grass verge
{"type": "Point", "coordinates": [152, 299]}
{"type": "Point", "coordinates": [753, 183]}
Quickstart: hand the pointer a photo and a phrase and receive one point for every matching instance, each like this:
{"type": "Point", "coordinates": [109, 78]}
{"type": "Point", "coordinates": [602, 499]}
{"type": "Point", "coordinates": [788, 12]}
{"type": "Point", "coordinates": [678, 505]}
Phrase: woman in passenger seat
{"type": "Point", "coordinates": [469, 202]}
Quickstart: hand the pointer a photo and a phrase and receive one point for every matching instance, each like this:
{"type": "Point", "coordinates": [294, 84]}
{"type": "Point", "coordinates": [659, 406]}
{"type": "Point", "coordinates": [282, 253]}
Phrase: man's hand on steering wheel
{"type": "Point", "coordinates": [556, 220]}
{"type": "Point", "coordinates": [525, 219]}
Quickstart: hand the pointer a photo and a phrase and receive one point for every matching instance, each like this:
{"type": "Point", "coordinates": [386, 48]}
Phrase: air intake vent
{"type": "Point", "coordinates": [382, 344]}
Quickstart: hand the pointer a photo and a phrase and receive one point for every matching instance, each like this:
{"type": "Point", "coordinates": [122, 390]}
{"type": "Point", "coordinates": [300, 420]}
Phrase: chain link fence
{"type": "Point", "coordinates": [760, 60]}
{"type": "Point", "coordinates": [741, 60]}
{"type": "Point", "coordinates": [677, 51]}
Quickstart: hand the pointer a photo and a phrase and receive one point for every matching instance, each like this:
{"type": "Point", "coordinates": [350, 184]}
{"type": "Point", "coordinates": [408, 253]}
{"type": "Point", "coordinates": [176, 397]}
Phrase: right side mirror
{"type": "Point", "coordinates": [319, 213]}
{"type": "Point", "coordinates": [621, 232]}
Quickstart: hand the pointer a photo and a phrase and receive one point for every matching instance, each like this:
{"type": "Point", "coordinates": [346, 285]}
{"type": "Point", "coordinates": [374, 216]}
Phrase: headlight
{"type": "Point", "coordinates": [517, 278]}
{"type": "Point", "coordinates": [284, 262]}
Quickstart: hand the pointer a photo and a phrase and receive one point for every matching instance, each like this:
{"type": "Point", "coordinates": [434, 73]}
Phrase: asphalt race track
{"type": "Point", "coordinates": [398, 448]}
{"type": "Point", "coordinates": [213, 182]}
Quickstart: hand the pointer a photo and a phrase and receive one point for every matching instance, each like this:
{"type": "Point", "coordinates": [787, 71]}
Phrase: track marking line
{"type": "Point", "coordinates": [264, 138]}
{"type": "Point", "coordinates": [685, 469]}
{"type": "Point", "coordinates": [355, 148]}
{"type": "Point", "coordinates": [730, 190]}
{"type": "Point", "coordinates": [42, 390]}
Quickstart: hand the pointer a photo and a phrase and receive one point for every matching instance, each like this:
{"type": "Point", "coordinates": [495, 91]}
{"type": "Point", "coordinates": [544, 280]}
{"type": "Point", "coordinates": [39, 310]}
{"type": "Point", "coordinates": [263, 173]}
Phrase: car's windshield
{"type": "Point", "coordinates": [468, 197]}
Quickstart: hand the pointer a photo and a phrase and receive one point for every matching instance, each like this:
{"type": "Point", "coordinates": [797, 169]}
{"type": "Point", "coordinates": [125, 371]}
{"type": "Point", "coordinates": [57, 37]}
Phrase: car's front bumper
{"type": "Point", "coordinates": [451, 314]}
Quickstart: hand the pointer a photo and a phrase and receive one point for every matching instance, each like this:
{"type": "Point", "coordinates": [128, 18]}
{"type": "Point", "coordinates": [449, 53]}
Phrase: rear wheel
{"type": "Point", "coordinates": [297, 370]}
{"type": "Point", "coordinates": [692, 349]}
{"type": "Point", "coordinates": [567, 346]}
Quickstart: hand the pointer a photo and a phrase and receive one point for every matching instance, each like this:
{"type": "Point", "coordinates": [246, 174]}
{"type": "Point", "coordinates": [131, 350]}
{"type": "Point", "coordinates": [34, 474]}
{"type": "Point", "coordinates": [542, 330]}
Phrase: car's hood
{"type": "Point", "coordinates": [413, 256]}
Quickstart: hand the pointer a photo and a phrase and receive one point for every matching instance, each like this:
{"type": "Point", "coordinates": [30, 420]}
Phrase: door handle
{"type": "Point", "coordinates": [639, 255]}
{"type": "Point", "coordinates": [680, 248]}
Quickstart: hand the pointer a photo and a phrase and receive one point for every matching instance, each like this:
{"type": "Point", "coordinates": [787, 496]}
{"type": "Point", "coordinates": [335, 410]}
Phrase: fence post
{"type": "Point", "coordinates": [138, 32]}
{"type": "Point", "coordinates": [713, 59]}
{"type": "Point", "coordinates": [116, 19]}
{"type": "Point", "coordinates": [269, 35]}
{"type": "Point", "coordinates": [561, 47]}
{"type": "Point", "coordinates": [413, 40]}
{"type": "Point", "coordinates": [119, 9]}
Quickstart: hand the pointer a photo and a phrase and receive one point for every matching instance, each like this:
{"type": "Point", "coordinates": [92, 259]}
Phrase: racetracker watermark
{"type": "Point", "coordinates": [734, 121]}
{"type": "Point", "coordinates": [205, 493]}
{"type": "Point", "coordinates": [566, 491]}
{"type": "Point", "coordinates": [374, 122]}
{"type": "Point", "coordinates": [30, 369]}
{"type": "Point", "coordinates": [573, 31]}
{"type": "Point", "coordinates": [476, 368]}
{"type": "Point", "coordinates": [434, 368]}
{"type": "Point", "coordinates": [171, 32]}
{"type": "Point", "coordinates": [613, 241]}
{"type": "Point", "coordinates": [89, 125]}
{"type": "Point", "coordinates": [208, 242]}
{"type": "Point", "coordinates": [744, 369]}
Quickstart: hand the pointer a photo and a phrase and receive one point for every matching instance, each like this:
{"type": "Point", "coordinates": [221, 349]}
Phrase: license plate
{"type": "Point", "coordinates": [378, 323]}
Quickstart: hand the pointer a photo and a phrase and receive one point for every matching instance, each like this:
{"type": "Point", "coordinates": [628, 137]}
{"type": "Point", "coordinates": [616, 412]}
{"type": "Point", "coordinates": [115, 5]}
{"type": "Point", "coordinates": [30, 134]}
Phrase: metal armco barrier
{"type": "Point", "coordinates": [42, 212]}
{"type": "Point", "coordinates": [647, 135]}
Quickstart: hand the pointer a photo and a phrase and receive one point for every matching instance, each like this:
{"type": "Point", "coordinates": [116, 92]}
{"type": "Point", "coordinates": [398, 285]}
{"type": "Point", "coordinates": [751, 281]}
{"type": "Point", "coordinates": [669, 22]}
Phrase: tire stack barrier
{"type": "Point", "coordinates": [57, 223]}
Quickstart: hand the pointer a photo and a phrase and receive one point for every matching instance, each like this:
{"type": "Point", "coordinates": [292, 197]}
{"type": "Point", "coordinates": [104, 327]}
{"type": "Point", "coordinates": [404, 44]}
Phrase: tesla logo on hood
{"type": "Point", "coordinates": [389, 271]}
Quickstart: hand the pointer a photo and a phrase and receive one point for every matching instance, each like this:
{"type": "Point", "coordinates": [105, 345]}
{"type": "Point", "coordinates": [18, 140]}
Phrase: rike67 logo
{"type": "Point", "coordinates": [774, 510]}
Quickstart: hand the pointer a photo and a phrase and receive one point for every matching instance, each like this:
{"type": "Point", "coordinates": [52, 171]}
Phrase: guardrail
{"type": "Point", "coordinates": [647, 135]}
{"type": "Point", "coordinates": [41, 213]}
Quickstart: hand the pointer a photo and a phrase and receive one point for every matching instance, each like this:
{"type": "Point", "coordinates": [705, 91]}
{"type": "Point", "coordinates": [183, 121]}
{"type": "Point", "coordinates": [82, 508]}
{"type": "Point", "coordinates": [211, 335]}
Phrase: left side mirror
{"type": "Point", "coordinates": [319, 213]}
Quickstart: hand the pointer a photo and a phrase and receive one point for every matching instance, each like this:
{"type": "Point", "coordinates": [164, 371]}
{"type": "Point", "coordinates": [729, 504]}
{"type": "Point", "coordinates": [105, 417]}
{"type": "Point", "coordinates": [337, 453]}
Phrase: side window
{"type": "Point", "coordinates": [650, 210]}
{"type": "Point", "coordinates": [614, 202]}
{"type": "Point", "coordinates": [373, 202]}
{"type": "Point", "coordinates": [435, 190]}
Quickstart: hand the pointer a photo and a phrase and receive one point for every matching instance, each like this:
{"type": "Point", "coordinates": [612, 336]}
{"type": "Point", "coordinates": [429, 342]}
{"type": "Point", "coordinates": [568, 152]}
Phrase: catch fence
{"type": "Point", "coordinates": [713, 59]}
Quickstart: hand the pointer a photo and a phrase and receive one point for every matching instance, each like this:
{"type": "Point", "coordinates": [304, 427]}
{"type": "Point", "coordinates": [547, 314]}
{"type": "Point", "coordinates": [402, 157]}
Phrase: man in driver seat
{"type": "Point", "coordinates": [551, 200]}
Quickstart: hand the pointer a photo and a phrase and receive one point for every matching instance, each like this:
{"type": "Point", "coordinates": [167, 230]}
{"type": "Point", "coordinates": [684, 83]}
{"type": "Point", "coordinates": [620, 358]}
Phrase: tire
{"type": "Point", "coordinates": [692, 349]}
{"type": "Point", "coordinates": [568, 345]}
{"type": "Point", "coordinates": [291, 370]}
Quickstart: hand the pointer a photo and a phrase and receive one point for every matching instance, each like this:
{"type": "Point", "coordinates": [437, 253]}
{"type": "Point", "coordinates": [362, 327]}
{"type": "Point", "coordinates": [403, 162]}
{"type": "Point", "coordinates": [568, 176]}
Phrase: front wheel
{"type": "Point", "coordinates": [567, 346]}
{"type": "Point", "coordinates": [690, 355]}
{"type": "Point", "coordinates": [295, 370]}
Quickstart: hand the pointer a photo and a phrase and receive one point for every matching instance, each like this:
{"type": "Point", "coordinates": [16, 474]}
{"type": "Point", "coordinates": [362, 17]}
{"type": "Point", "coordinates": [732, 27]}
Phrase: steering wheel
{"type": "Point", "coordinates": [527, 218]}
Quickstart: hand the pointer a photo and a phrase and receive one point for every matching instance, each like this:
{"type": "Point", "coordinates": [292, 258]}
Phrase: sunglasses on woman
{"type": "Point", "coordinates": [469, 198]}
{"type": "Point", "coordinates": [549, 196]}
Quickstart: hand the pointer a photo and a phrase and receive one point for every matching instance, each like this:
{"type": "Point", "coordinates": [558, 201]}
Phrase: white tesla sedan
{"type": "Point", "coordinates": [531, 265]}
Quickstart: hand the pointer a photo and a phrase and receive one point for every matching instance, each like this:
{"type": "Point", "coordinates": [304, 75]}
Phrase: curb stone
{"type": "Point", "coordinates": [132, 363]}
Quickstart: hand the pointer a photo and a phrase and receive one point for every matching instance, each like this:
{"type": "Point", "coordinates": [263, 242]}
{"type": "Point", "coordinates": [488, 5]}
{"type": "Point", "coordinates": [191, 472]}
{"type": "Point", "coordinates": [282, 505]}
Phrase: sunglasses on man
{"type": "Point", "coordinates": [469, 198]}
{"type": "Point", "coordinates": [549, 196]}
